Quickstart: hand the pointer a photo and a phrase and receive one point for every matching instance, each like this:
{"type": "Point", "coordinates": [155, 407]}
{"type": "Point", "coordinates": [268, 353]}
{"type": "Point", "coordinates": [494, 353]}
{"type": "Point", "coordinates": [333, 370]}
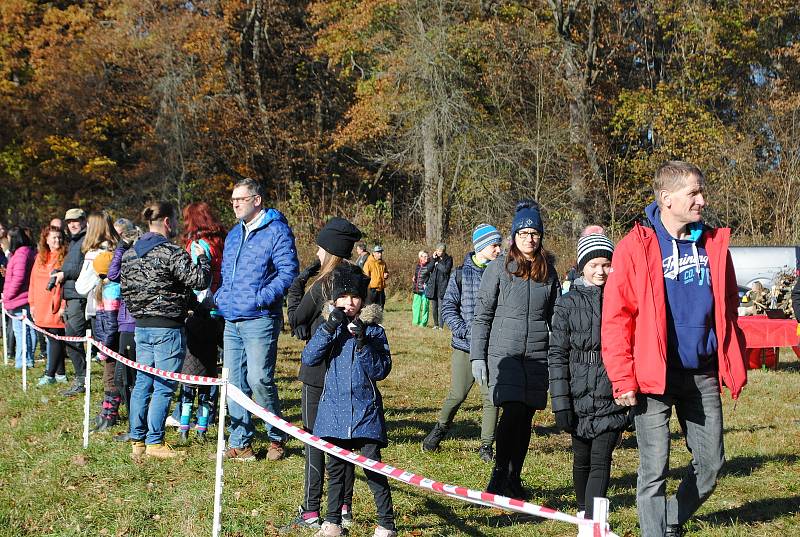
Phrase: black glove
{"type": "Point", "coordinates": [565, 421]}
{"type": "Point", "coordinates": [301, 332]}
{"type": "Point", "coordinates": [359, 330]}
{"type": "Point", "coordinates": [336, 318]}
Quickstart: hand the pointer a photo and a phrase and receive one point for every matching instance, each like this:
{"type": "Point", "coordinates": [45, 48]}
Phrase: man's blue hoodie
{"type": "Point", "coordinates": [691, 341]}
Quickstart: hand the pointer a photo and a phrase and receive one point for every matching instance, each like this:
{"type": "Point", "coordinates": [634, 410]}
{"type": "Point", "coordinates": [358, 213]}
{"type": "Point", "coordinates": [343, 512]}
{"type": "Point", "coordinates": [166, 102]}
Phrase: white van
{"type": "Point", "coordinates": [763, 263]}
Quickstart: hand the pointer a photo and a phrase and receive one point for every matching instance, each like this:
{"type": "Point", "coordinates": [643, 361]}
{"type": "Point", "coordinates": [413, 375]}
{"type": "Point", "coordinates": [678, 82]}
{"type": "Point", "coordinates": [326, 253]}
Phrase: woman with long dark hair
{"type": "Point", "coordinates": [306, 311]}
{"type": "Point", "coordinates": [15, 291]}
{"type": "Point", "coordinates": [46, 301]}
{"type": "Point", "coordinates": [205, 326]}
{"type": "Point", "coordinates": [510, 333]}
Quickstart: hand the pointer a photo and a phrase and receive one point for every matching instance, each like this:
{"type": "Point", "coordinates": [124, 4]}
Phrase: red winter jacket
{"type": "Point", "coordinates": [634, 329]}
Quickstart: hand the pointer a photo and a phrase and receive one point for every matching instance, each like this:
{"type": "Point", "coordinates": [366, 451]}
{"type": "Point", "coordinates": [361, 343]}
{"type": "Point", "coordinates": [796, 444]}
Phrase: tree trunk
{"type": "Point", "coordinates": [432, 188]}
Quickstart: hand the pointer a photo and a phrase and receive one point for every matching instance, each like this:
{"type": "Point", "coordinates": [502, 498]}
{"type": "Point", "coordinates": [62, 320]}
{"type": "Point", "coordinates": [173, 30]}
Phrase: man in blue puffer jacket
{"type": "Point", "coordinates": [259, 263]}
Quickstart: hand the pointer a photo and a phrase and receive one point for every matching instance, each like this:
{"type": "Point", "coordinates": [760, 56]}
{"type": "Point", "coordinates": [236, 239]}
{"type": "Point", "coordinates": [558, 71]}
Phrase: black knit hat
{"type": "Point", "coordinates": [338, 237]}
{"type": "Point", "coordinates": [348, 279]}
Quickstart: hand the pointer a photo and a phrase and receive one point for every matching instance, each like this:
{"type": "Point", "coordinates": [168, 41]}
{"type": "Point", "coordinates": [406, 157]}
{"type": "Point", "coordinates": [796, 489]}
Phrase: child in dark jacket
{"type": "Point", "coordinates": [581, 394]}
{"type": "Point", "coordinates": [351, 408]}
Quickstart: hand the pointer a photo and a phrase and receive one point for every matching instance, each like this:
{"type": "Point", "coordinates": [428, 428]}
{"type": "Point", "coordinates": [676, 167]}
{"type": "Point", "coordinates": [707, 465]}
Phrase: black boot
{"type": "Point", "coordinates": [434, 438]}
{"type": "Point", "coordinates": [184, 437]}
{"type": "Point", "coordinates": [112, 414]}
{"type": "Point", "coordinates": [498, 484]}
{"type": "Point", "coordinates": [515, 488]}
{"type": "Point", "coordinates": [201, 436]}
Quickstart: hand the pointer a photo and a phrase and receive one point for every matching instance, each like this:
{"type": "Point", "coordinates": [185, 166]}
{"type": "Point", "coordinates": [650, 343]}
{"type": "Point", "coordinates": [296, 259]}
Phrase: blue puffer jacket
{"type": "Point", "coordinates": [257, 269]}
{"type": "Point", "coordinates": [351, 405]}
{"type": "Point", "coordinates": [458, 305]}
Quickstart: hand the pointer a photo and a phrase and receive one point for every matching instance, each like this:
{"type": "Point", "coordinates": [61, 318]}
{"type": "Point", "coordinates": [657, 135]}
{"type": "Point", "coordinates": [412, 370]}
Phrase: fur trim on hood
{"type": "Point", "coordinates": [370, 314]}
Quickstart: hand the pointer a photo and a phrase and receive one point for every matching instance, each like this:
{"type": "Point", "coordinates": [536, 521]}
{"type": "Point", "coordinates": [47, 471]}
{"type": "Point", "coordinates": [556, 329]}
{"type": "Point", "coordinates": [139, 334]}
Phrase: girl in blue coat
{"type": "Point", "coordinates": [350, 415]}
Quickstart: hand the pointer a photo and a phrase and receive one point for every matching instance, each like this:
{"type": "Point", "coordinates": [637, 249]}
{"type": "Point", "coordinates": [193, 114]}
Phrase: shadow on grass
{"type": "Point", "coordinates": [755, 512]}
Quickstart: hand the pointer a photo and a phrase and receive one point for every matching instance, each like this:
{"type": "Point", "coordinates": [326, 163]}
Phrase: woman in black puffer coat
{"type": "Point", "coordinates": [580, 390]}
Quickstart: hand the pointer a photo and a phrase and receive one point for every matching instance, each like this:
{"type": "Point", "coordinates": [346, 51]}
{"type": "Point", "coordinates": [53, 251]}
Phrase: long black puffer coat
{"type": "Point", "coordinates": [510, 330]}
{"type": "Point", "coordinates": [578, 379]}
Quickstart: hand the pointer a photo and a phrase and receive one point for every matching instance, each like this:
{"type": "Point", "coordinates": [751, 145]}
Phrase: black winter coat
{"type": "Point", "coordinates": [510, 331]}
{"type": "Point", "coordinates": [157, 279]}
{"type": "Point", "coordinates": [438, 276]}
{"type": "Point", "coordinates": [304, 309]}
{"type": "Point", "coordinates": [578, 378]}
{"type": "Point", "coordinates": [73, 262]}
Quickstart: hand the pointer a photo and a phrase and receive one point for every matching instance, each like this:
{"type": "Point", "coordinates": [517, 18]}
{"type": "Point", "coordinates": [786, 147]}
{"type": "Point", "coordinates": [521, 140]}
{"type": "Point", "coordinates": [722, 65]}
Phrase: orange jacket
{"type": "Point", "coordinates": [46, 306]}
{"type": "Point", "coordinates": [376, 270]}
{"type": "Point", "coordinates": [634, 327]}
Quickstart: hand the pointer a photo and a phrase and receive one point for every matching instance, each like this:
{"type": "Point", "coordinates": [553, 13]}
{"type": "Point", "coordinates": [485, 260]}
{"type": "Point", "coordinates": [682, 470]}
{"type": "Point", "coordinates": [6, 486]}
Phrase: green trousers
{"type": "Point", "coordinates": [461, 381]}
{"type": "Point", "coordinates": [419, 310]}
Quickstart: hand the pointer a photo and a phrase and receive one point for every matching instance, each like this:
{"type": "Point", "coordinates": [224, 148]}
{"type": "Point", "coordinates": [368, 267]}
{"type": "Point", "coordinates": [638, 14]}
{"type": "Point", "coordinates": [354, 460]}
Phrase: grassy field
{"type": "Point", "coordinates": [50, 486]}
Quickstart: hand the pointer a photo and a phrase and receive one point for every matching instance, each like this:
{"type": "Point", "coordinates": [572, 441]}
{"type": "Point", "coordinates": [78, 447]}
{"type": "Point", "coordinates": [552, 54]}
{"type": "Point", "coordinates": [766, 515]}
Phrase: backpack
{"type": "Point", "coordinates": [459, 271]}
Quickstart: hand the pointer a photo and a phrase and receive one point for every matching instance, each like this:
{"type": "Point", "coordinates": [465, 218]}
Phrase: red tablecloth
{"type": "Point", "coordinates": [761, 332]}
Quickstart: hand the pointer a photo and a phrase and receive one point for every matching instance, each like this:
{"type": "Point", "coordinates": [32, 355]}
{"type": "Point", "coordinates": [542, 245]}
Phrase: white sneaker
{"type": "Point", "coordinates": [329, 529]}
{"type": "Point", "coordinates": [584, 530]}
{"type": "Point", "coordinates": [380, 531]}
{"type": "Point", "coordinates": [172, 422]}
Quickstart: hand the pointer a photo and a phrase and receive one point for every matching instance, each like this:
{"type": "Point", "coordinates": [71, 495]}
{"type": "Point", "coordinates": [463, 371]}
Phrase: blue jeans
{"type": "Point", "coordinates": [162, 348]}
{"type": "Point", "coordinates": [698, 406]}
{"type": "Point", "coordinates": [250, 353]}
{"type": "Point", "coordinates": [17, 327]}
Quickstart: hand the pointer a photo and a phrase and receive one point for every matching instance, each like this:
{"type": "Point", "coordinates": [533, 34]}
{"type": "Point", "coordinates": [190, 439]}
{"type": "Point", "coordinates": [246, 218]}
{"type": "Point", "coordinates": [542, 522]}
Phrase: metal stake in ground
{"type": "Point", "coordinates": [221, 411]}
{"type": "Point", "coordinates": [87, 396]}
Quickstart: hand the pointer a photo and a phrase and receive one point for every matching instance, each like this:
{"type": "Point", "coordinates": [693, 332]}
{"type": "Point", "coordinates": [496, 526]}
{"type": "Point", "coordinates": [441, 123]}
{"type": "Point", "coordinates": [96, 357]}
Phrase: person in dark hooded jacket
{"type": "Point", "coordinates": [582, 399]}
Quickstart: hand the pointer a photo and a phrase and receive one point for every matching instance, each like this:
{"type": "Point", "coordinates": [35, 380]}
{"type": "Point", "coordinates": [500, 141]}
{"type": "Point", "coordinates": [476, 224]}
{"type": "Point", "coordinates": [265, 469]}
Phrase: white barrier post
{"type": "Point", "coordinates": [24, 352]}
{"type": "Point", "coordinates": [221, 411]}
{"type": "Point", "coordinates": [5, 333]}
{"type": "Point", "coordinates": [87, 396]}
{"type": "Point", "coordinates": [600, 514]}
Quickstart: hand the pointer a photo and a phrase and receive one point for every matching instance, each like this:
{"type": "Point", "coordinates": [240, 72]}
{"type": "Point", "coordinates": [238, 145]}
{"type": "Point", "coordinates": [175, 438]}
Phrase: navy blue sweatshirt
{"type": "Point", "coordinates": [691, 340]}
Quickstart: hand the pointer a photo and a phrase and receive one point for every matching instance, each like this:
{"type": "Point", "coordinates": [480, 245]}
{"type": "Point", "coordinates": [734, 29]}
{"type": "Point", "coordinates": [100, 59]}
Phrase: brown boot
{"type": "Point", "coordinates": [275, 451]}
{"type": "Point", "coordinates": [162, 451]}
{"type": "Point", "coordinates": [137, 449]}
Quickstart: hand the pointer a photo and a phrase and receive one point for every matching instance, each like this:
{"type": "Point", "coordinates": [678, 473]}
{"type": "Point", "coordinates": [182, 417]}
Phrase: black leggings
{"type": "Point", "coordinates": [315, 458]}
{"type": "Point", "coordinates": [56, 353]}
{"type": "Point", "coordinates": [124, 376]}
{"type": "Point", "coordinates": [591, 468]}
{"type": "Point", "coordinates": [378, 483]}
{"type": "Point", "coordinates": [513, 436]}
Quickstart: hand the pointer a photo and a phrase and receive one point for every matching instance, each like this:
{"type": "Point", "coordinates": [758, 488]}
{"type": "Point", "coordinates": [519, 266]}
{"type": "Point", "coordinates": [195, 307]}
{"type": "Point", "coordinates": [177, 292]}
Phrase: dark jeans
{"type": "Point", "coordinates": [11, 342]}
{"type": "Point", "coordinates": [591, 468]}
{"type": "Point", "coordinates": [697, 403]}
{"type": "Point", "coordinates": [75, 324]}
{"type": "Point", "coordinates": [376, 297]}
{"type": "Point", "coordinates": [513, 436]}
{"type": "Point", "coordinates": [378, 483]}
{"type": "Point", "coordinates": [315, 458]}
{"type": "Point", "coordinates": [55, 353]}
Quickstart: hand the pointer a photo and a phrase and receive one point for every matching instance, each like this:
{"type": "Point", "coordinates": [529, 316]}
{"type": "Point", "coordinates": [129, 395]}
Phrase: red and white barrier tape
{"type": "Point", "coordinates": [453, 491]}
{"type": "Point", "coordinates": [187, 379]}
{"type": "Point", "coordinates": [55, 336]}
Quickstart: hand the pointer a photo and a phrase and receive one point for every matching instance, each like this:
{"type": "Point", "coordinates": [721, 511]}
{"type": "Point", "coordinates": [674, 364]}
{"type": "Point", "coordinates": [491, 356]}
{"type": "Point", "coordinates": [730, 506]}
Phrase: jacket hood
{"type": "Point", "coordinates": [695, 234]}
{"type": "Point", "coordinates": [369, 314]}
{"type": "Point", "coordinates": [271, 215]}
{"type": "Point", "coordinates": [147, 242]}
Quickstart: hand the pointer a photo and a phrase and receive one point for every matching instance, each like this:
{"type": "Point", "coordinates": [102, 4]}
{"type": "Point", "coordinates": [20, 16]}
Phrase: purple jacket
{"type": "Point", "coordinates": [18, 276]}
{"type": "Point", "coordinates": [125, 321]}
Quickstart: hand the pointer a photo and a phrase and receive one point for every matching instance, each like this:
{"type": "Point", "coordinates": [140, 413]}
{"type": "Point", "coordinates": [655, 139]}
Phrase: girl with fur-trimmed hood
{"type": "Point", "coordinates": [356, 351]}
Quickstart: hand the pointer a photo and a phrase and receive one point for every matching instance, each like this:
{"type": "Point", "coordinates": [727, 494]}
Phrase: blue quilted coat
{"type": "Point", "coordinates": [351, 405]}
{"type": "Point", "coordinates": [257, 269]}
{"type": "Point", "coordinates": [458, 304]}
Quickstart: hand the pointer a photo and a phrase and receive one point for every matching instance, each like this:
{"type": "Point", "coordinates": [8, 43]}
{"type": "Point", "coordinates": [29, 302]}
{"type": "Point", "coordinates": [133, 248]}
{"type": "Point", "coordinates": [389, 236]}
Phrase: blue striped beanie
{"type": "Point", "coordinates": [485, 235]}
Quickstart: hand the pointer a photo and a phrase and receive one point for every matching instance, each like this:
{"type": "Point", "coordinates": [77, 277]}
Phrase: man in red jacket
{"type": "Point", "coordinates": [670, 339]}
